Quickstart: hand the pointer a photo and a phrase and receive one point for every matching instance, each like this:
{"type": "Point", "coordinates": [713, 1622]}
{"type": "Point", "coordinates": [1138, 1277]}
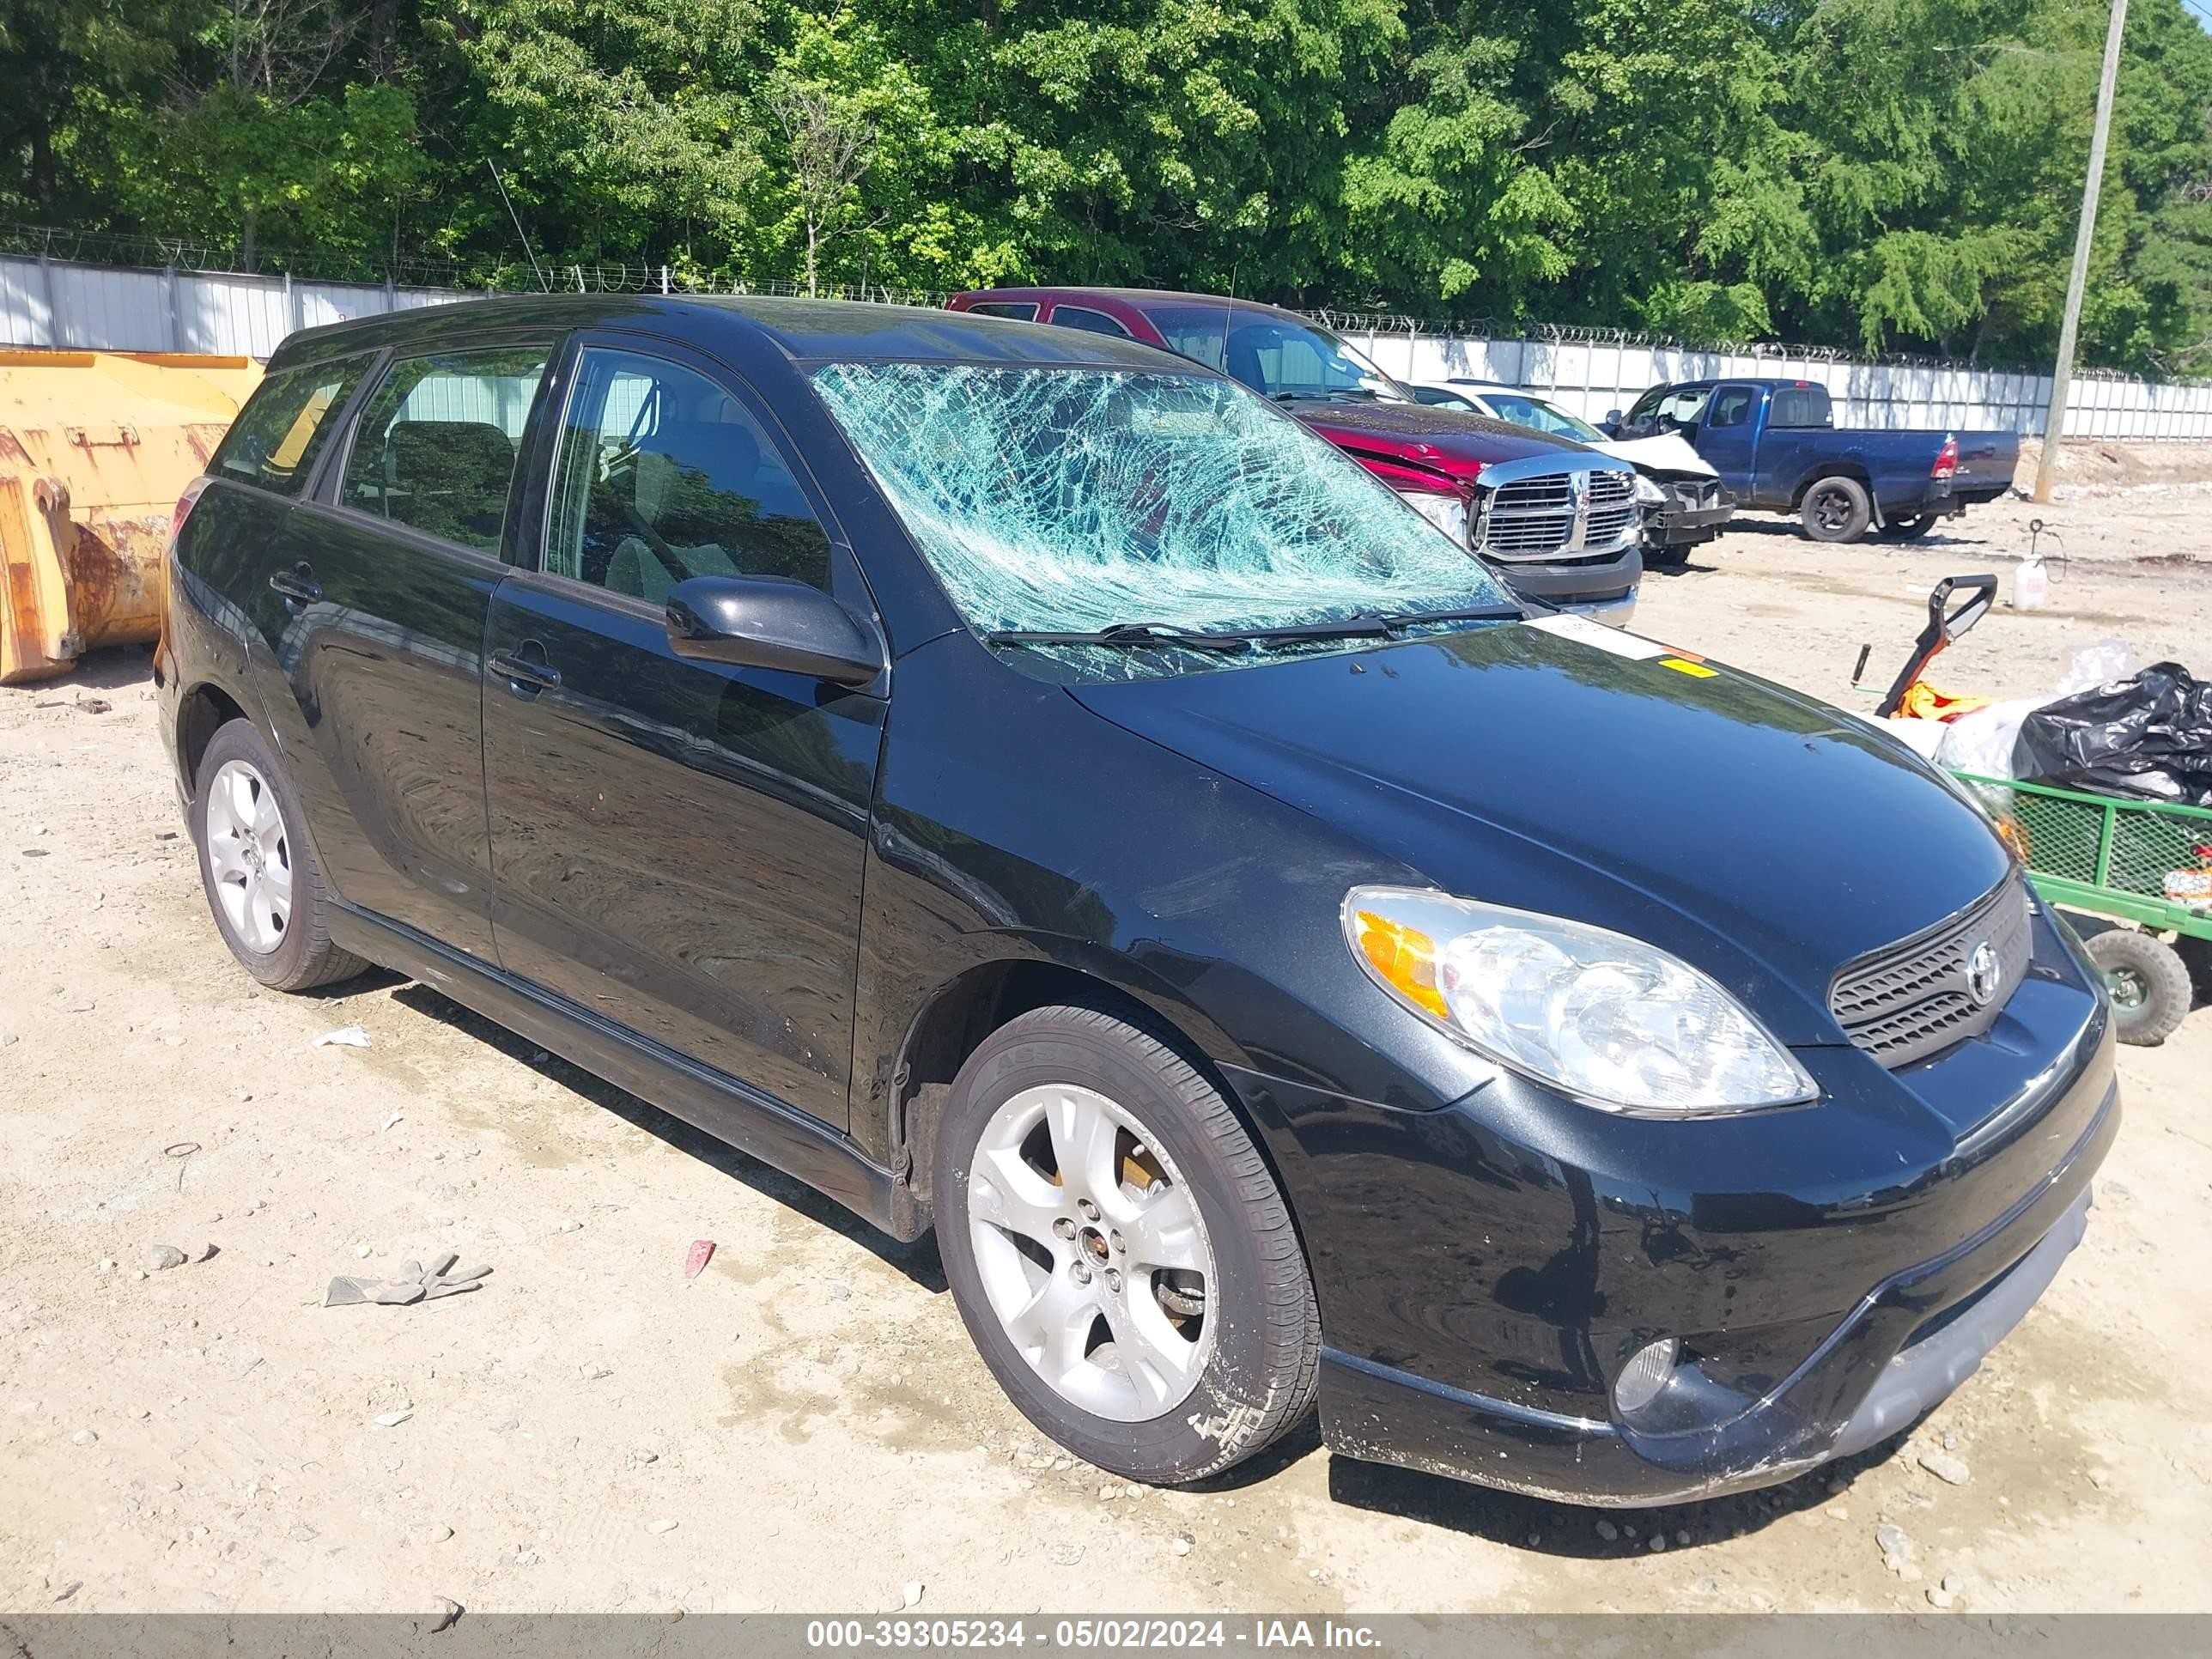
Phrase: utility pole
{"type": "Point", "coordinates": [2054, 419]}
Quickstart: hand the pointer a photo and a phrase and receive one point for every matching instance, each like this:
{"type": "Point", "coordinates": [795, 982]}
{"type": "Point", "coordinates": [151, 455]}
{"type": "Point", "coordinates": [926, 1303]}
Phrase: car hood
{"type": "Point", "coordinates": [1668, 453]}
{"type": "Point", "coordinates": [1764, 836]}
{"type": "Point", "coordinates": [1447, 441]}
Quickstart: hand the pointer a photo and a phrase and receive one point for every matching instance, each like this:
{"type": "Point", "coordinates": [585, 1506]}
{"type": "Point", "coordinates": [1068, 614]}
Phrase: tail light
{"type": "Point", "coordinates": [184, 511]}
{"type": "Point", "coordinates": [1947, 459]}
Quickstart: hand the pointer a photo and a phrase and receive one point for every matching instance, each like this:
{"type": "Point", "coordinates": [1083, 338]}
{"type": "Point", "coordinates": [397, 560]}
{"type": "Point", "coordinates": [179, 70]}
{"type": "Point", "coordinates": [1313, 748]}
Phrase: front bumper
{"type": "Point", "coordinates": [1604, 586]}
{"type": "Point", "coordinates": [1913, 1340]}
{"type": "Point", "coordinates": [1487, 1266]}
{"type": "Point", "coordinates": [1685, 526]}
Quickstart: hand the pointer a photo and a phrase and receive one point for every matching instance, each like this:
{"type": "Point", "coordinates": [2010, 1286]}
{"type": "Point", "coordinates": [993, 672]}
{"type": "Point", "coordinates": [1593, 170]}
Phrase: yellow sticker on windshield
{"type": "Point", "coordinates": [1695, 669]}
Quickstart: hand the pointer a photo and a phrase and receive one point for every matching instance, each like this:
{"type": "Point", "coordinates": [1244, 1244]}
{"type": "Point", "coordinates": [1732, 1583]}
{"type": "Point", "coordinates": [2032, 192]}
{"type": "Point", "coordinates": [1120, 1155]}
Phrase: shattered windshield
{"type": "Point", "coordinates": [1077, 501]}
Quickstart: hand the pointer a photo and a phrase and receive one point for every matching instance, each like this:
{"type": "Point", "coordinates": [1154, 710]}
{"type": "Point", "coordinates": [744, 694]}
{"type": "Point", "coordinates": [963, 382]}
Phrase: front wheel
{"type": "Point", "coordinates": [1119, 1250]}
{"type": "Point", "coordinates": [1835, 510]}
{"type": "Point", "coordinates": [2147, 981]}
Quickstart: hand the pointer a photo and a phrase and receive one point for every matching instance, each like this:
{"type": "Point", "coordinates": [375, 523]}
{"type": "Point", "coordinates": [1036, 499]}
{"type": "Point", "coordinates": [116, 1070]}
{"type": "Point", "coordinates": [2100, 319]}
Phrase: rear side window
{"type": "Point", "coordinates": [1801, 405]}
{"type": "Point", "coordinates": [1022, 311]}
{"type": "Point", "coordinates": [276, 436]}
{"type": "Point", "coordinates": [1731, 406]}
{"type": "Point", "coordinates": [435, 444]}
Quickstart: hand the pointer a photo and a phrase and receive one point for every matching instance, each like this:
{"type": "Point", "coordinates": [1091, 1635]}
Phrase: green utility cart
{"type": "Point", "coordinates": [2146, 865]}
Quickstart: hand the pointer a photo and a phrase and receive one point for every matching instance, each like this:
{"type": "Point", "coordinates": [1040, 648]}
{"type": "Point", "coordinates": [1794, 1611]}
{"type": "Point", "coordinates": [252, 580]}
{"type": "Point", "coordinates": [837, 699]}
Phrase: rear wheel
{"type": "Point", "coordinates": [1119, 1251]}
{"type": "Point", "coordinates": [260, 875]}
{"type": "Point", "coordinates": [2147, 981]}
{"type": "Point", "coordinates": [1835, 510]}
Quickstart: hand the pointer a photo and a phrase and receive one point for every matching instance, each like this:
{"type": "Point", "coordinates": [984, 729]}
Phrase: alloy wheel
{"type": "Point", "coordinates": [249, 856]}
{"type": "Point", "coordinates": [1092, 1251]}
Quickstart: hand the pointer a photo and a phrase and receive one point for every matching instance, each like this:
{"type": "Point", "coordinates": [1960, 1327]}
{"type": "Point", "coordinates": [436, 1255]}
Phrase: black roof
{"type": "Point", "coordinates": [804, 331]}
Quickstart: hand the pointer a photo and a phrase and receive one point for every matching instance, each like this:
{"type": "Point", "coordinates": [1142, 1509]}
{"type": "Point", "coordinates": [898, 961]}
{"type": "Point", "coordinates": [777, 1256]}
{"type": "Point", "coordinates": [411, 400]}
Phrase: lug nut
{"type": "Point", "coordinates": [1114, 1280]}
{"type": "Point", "coordinates": [1116, 1235]}
{"type": "Point", "coordinates": [1082, 1274]}
{"type": "Point", "coordinates": [1089, 1210]}
{"type": "Point", "coordinates": [1063, 1228]}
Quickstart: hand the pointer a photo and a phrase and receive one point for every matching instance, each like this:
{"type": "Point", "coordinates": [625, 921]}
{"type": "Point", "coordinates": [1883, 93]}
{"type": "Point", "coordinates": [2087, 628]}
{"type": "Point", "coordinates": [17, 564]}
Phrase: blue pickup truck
{"type": "Point", "coordinates": [1776, 446]}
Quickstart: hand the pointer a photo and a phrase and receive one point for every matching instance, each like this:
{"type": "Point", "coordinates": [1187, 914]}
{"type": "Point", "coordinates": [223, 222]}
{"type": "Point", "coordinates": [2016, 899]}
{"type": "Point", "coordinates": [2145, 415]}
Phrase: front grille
{"type": "Point", "coordinates": [1915, 998]}
{"type": "Point", "coordinates": [1557, 513]}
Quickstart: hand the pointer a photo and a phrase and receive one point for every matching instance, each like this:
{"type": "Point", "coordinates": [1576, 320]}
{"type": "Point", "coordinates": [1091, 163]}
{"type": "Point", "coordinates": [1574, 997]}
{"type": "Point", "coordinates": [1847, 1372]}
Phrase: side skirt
{"type": "Point", "coordinates": [751, 1121]}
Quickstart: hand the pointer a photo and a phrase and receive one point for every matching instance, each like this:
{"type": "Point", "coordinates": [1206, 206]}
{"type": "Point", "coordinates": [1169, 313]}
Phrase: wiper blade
{"type": "Point", "coordinates": [1133, 635]}
{"type": "Point", "coordinates": [1473, 613]}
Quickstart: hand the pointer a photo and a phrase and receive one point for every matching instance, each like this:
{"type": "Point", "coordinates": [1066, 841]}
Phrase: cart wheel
{"type": "Point", "coordinates": [2148, 980]}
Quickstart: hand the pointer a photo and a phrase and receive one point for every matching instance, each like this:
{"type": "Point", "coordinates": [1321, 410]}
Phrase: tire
{"type": "Point", "coordinates": [2147, 981]}
{"type": "Point", "coordinates": [1835, 509]}
{"type": "Point", "coordinates": [263, 884]}
{"type": "Point", "coordinates": [1227, 1354]}
{"type": "Point", "coordinates": [1908, 529]}
{"type": "Point", "coordinates": [1660, 556]}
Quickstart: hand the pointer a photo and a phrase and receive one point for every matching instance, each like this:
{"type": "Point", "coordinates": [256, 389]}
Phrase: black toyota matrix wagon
{"type": "Point", "coordinates": [1026, 785]}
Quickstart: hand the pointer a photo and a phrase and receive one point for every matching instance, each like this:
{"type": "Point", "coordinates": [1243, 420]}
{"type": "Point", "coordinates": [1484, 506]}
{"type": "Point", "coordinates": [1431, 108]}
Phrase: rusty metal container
{"type": "Point", "coordinates": [96, 446]}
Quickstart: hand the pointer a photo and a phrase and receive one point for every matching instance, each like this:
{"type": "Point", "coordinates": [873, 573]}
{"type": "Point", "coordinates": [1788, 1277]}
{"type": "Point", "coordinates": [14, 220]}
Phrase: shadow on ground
{"type": "Point", "coordinates": [918, 1261]}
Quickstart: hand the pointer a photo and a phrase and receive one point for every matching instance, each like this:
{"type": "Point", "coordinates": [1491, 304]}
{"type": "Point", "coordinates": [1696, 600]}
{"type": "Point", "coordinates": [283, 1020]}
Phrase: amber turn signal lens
{"type": "Point", "coordinates": [1405, 957]}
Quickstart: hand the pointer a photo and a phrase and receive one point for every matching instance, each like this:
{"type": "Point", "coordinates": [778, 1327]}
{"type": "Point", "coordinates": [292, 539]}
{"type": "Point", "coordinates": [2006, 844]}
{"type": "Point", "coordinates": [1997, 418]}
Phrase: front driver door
{"type": "Point", "coordinates": [678, 845]}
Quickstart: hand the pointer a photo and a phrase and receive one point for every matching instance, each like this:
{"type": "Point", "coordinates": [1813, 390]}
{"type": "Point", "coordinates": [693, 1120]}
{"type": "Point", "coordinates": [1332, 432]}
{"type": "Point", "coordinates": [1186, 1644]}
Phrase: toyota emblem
{"type": "Point", "coordinates": [1984, 972]}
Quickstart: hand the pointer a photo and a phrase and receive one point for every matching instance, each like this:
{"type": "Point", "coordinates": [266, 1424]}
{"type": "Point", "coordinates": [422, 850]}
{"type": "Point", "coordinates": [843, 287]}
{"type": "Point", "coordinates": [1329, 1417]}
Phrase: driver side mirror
{"type": "Point", "coordinates": [773, 621]}
{"type": "Point", "coordinates": [1610, 423]}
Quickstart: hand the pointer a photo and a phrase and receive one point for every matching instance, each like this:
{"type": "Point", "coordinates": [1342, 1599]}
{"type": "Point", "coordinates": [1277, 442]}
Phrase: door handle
{"type": "Point", "coordinates": [524, 677]}
{"type": "Point", "coordinates": [298, 584]}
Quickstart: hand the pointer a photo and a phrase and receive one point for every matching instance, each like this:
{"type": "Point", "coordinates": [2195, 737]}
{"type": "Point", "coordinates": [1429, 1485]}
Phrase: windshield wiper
{"type": "Point", "coordinates": [1142, 636]}
{"type": "Point", "coordinates": [1473, 613]}
{"type": "Point", "coordinates": [1133, 635]}
{"type": "Point", "coordinates": [1329, 397]}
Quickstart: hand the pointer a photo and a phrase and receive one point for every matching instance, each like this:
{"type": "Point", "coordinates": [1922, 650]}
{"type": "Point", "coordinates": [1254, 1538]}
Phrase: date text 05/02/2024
{"type": "Point", "coordinates": [1088, 1635]}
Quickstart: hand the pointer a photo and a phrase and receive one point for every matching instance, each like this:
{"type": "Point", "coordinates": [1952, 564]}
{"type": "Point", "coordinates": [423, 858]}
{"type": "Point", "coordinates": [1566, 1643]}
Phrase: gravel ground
{"type": "Point", "coordinates": [804, 1426]}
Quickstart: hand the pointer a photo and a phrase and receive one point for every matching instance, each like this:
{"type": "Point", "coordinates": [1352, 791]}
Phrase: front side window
{"type": "Point", "coordinates": [1070, 499]}
{"type": "Point", "coordinates": [435, 444]}
{"type": "Point", "coordinates": [1289, 361]}
{"type": "Point", "coordinates": [664, 476]}
{"type": "Point", "coordinates": [276, 436]}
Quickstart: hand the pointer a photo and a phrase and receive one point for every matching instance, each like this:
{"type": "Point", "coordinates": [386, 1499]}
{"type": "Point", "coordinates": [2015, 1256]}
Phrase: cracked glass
{"type": "Point", "coordinates": [1070, 499]}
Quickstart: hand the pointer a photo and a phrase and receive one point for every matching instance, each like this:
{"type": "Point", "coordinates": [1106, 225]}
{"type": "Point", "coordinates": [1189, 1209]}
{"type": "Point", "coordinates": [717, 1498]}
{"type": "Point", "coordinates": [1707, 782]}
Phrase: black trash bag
{"type": "Point", "coordinates": [2149, 736]}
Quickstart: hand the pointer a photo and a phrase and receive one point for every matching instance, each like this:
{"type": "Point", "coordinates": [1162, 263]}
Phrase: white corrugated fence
{"type": "Point", "coordinates": [66, 304]}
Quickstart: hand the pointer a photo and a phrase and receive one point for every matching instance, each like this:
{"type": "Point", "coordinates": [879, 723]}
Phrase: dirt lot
{"type": "Point", "coordinates": [804, 1426]}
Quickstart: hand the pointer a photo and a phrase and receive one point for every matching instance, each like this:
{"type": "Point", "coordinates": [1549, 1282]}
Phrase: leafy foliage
{"type": "Point", "coordinates": [1880, 174]}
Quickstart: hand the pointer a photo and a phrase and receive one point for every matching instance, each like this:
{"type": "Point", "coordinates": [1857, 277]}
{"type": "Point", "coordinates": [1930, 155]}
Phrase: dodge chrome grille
{"type": "Point", "coordinates": [1552, 513]}
{"type": "Point", "coordinates": [1912, 998]}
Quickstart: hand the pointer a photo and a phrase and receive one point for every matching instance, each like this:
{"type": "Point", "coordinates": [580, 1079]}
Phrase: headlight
{"type": "Point", "coordinates": [1648, 492]}
{"type": "Point", "coordinates": [1610, 1020]}
{"type": "Point", "coordinates": [1447, 512]}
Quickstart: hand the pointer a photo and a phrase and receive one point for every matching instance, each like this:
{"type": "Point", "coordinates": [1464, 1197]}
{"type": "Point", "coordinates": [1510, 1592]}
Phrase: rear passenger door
{"type": "Point", "coordinates": [380, 603]}
{"type": "Point", "coordinates": [679, 844]}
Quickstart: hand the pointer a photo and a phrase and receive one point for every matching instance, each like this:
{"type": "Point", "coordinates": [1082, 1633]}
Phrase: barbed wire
{"type": "Point", "coordinates": [617, 277]}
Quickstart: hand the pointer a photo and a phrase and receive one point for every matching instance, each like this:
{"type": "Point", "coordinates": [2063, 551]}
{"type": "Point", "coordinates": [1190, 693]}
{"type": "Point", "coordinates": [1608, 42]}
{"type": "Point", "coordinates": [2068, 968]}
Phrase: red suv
{"type": "Point", "coordinates": [1560, 522]}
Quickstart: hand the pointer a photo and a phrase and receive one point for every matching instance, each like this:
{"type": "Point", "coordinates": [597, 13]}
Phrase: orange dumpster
{"type": "Point", "coordinates": [96, 446]}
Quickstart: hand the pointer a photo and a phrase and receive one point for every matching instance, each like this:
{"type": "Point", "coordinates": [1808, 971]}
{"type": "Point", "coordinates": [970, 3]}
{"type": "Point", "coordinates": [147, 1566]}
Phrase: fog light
{"type": "Point", "coordinates": [1644, 1375]}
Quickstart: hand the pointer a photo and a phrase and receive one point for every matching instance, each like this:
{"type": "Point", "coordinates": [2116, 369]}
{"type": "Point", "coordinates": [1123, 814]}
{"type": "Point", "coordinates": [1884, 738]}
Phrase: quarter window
{"type": "Point", "coordinates": [435, 445]}
{"type": "Point", "coordinates": [664, 476]}
{"type": "Point", "coordinates": [276, 436]}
